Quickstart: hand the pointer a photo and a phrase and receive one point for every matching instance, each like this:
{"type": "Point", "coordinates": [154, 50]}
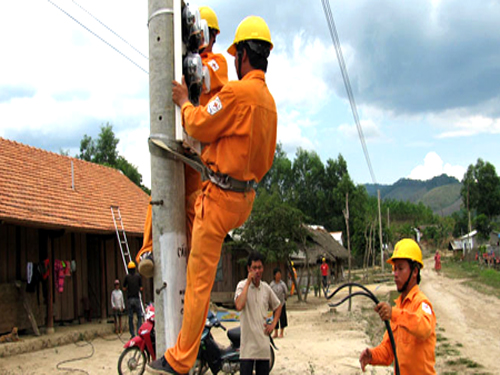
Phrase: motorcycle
{"type": "Point", "coordinates": [141, 349]}
{"type": "Point", "coordinates": [216, 358]}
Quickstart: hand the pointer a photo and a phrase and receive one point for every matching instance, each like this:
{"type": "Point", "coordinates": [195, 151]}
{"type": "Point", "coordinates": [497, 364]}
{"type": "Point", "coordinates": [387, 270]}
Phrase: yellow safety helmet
{"type": "Point", "coordinates": [291, 263]}
{"type": "Point", "coordinates": [324, 259]}
{"type": "Point", "coordinates": [131, 265]}
{"type": "Point", "coordinates": [407, 249]}
{"type": "Point", "coordinates": [208, 14]}
{"type": "Point", "coordinates": [251, 28]}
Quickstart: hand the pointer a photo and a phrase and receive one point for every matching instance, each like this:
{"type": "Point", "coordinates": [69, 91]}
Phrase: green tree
{"type": "Point", "coordinates": [279, 178]}
{"type": "Point", "coordinates": [481, 189]}
{"type": "Point", "coordinates": [308, 173]}
{"type": "Point", "coordinates": [103, 151]}
{"type": "Point", "coordinates": [483, 225]}
{"type": "Point", "coordinates": [275, 229]}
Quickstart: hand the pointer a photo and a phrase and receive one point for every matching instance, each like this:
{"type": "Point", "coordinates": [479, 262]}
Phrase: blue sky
{"type": "Point", "coordinates": [425, 76]}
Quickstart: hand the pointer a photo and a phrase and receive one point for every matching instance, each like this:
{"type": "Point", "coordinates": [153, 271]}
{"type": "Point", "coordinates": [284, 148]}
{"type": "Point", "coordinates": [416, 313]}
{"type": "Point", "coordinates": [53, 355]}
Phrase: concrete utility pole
{"type": "Point", "coordinates": [167, 179]}
{"type": "Point", "coordinates": [380, 233]}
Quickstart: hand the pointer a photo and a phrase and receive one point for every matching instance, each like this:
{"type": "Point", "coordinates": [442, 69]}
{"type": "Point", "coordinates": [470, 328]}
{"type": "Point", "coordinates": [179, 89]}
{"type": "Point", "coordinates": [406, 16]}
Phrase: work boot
{"type": "Point", "coordinates": [160, 366]}
{"type": "Point", "coordinates": [147, 265]}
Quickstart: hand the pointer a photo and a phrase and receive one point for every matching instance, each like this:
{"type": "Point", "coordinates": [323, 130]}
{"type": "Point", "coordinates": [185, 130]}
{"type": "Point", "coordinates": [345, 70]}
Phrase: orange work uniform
{"type": "Point", "coordinates": [413, 323]}
{"type": "Point", "coordinates": [239, 126]}
{"type": "Point", "coordinates": [217, 67]}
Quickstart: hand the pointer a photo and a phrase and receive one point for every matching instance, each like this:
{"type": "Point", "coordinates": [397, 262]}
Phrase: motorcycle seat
{"type": "Point", "coordinates": [234, 335]}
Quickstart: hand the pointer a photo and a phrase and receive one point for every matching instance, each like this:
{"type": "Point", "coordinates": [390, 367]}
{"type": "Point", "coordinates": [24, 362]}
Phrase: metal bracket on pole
{"type": "Point", "coordinates": [159, 12]}
{"type": "Point", "coordinates": [174, 151]}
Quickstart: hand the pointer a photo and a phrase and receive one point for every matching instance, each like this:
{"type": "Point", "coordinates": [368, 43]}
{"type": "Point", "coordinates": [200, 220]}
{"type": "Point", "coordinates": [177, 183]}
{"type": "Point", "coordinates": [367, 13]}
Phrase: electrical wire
{"type": "Point", "coordinates": [86, 343]}
{"type": "Point", "coordinates": [336, 42]}
{"type": "Point", "coordinates": [366, 293]}
{"type": "Point", "coordinates": [109, 29]}
{"type": "Point", "coordinates": [98, 36]}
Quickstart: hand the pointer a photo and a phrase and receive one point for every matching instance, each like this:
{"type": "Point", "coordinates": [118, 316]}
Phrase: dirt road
{"type": "Point", "coordinates": [466, 317]}
{"type": "Point", "coordinates": [324, 341]}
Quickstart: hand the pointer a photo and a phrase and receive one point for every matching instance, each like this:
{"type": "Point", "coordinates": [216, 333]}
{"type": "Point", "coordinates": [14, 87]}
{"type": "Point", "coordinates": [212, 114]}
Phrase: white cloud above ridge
{"type": "Point", "coordinates": [434, 166]}
{"type": "Point", "coordinates": [296, 76]}
{"type": "Point", "coordinates": [371, 130]}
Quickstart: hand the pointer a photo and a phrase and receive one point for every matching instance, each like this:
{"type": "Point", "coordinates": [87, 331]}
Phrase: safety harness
{"type": "Point", "coordinates": [222, 180]}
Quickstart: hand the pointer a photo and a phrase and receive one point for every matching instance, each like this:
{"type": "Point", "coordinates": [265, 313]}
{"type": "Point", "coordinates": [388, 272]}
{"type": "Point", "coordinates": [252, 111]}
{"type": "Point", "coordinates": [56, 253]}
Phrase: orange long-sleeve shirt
{"type": "Point", "coordinates": [217, 67]}
{"type": "Point", "coordinates": [239, 126]}
{"type": "Point", "coordinates": [413, 323]}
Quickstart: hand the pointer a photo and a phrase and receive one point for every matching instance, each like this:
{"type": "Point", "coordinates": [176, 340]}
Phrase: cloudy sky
{"type": "Point", "coordinates": [425, 76]}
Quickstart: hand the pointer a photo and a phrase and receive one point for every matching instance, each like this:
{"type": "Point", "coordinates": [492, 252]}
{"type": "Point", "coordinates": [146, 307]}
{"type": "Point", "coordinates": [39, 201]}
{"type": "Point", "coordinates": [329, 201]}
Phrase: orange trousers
{"type": "Point", "coordinates": [217, 211]}
{"type": "Point", "coordinates": [192, 183]}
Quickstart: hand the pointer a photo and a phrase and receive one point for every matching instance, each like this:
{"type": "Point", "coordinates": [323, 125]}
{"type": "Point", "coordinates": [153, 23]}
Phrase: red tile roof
{"type": "Point", "coordinates": [36, 189]}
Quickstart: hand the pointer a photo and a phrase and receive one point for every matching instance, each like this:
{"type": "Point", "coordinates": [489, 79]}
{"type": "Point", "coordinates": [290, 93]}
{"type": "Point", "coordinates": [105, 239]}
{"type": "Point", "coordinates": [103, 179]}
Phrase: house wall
{"type": "Point", "coordinates": [98, 263]}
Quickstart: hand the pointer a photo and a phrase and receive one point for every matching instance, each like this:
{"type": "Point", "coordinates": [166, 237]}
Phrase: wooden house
{"type": "Point", "coordinates": [321, 244]}
{"type": "Point", "coordinates": [56, 208]}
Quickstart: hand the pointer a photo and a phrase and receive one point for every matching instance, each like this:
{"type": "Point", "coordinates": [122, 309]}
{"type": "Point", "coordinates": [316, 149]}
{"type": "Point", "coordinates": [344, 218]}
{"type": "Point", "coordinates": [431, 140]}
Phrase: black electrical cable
{"type": "Point", "coordinates": [367, 293]}
{"type": "Point", "coordinates": [86, 343]}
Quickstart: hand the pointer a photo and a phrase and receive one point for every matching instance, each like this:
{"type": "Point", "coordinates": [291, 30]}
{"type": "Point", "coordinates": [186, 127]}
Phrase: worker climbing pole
{"type": "Point", "coordinates": [176, 34]}
{"type": "Point", "coordinates": [166, 179]}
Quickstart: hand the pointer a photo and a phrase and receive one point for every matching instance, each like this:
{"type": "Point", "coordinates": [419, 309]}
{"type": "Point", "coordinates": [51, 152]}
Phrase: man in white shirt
{"type": "Point", "coordinates": [254, 298]}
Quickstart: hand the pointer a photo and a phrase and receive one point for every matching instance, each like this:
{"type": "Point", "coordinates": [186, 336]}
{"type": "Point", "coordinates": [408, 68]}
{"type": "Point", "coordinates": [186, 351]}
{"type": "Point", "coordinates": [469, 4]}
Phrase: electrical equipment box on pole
{"type": "Point", "coordinates": [190, 36]}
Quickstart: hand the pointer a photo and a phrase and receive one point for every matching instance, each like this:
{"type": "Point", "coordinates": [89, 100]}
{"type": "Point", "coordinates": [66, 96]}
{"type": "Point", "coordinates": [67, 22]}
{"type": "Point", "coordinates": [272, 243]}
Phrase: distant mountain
{"type": "Point", "coordinates": [441, 193]}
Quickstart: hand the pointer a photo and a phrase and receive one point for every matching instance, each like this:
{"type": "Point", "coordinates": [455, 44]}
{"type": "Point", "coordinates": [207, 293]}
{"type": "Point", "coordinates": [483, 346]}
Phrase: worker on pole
{"type": "Point", "coordinates": [239, 128]}
{"type": "Point", "coordinates": [217, 67]}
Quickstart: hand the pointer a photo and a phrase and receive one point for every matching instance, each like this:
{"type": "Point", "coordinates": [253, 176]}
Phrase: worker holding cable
{"type": "Point", "coordinates": [239, 128]}
{"type": "Point", "coordinates": [412, 318]}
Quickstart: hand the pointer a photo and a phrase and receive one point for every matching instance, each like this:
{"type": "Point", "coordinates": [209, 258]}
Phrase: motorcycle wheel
{"type": "Point", "coordinates": [200, 367]}
{"type": "Point", "coordinates": [132, 361]}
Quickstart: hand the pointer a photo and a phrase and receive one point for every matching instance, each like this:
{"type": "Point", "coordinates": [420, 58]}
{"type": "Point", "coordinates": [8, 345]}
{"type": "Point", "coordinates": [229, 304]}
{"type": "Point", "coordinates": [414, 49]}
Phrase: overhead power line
{"type": "Point", "coordinates": [347, 83]}
{"type": "Point", "coordinates": [99, 37]}
{"type": "Point", "coordinates": [108, 28]}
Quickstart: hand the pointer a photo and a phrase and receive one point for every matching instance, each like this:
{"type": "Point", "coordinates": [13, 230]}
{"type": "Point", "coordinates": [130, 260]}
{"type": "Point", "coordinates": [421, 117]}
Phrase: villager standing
{"type": "Point", "coordinates": [292, 288]}
{"type": "Point", "coordinates": [118, 305]}
{"type": "Point", "coordinates": [437, 261]}
{"type": "Point", "coordinates": [280, 289]}
{"type": "Point", "coordinates": [412, 319]}
{"type": "Point", "coordinates": [133, 286]}
{"type": "Point", "coordinates": [253, 298]}
{"type": "Point", "coordinates": [324, 272]}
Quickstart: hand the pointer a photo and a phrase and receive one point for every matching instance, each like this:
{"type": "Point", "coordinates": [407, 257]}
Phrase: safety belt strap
{"type": "Point", "coordinates": [223, 181]}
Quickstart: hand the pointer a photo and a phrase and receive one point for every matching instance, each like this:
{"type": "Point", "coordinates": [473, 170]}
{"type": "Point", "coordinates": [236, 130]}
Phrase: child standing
{"type": "Point", "coordinates": [118, 305]}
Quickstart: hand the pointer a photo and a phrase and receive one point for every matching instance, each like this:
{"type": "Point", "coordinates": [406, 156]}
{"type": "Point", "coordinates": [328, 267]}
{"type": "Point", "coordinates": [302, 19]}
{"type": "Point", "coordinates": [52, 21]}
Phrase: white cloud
{"type": "Point", "coordinates": [133, 146]}
{"type": "Point", "coordinates": [471, 126]}
{"type": "Point", "coordinates": [371, 131]}
{"type": "Point", "coordinates": [290, 125]}
{"type": "Point", "coordinates": [434, 166]}
{"type": "Point", "coordinates": [297, 78]}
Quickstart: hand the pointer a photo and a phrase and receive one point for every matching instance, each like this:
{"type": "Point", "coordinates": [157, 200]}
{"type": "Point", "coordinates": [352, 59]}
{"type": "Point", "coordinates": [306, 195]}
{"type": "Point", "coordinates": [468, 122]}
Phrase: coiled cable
{"type": "Point", "coordinates": [366, 293]}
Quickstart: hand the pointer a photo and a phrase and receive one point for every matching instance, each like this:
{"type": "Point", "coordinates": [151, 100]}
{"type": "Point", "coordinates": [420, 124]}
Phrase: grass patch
{"type": "Point", "coordinates": [478, 276]}
{"type": "Point", "coordinates": [440, 338]}
{"type": "Point", "coordinates": [463, 362]}
{"type": "Point", "coordinates": [446, 349]}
